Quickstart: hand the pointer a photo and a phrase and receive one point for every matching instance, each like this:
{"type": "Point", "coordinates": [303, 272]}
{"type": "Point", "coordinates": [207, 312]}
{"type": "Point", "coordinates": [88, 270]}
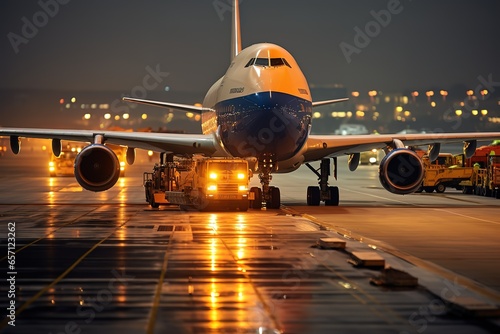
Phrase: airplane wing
{"type": "Point", "coordinates": [184, 107]}
{"type": "Point", "coordinates": [162, 142]}
{"type": "Point", "coordinates": [322, 103]}
{"type": "Point", "coordinates": [323, 146]}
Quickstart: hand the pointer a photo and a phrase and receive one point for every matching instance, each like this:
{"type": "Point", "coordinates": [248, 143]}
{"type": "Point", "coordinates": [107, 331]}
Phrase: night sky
{"type": "Point", "coordinates": [109, 44]}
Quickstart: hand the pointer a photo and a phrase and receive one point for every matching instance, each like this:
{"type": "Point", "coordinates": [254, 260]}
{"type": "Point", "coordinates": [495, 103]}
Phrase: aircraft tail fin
{"type": "Point", "coordinates": [235, 32]}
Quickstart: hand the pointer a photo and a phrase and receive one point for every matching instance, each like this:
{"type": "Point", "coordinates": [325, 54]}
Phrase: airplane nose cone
{"type": "Point", "coordinates": [271, 124]}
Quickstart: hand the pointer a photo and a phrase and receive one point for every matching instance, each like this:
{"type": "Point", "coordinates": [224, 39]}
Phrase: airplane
{"type": "Point", "coordinates": [260, 109]}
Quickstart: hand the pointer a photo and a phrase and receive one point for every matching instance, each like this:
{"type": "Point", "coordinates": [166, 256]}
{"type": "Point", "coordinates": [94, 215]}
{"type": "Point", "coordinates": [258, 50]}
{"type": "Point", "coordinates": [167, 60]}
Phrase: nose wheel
{"type": "Point", "coordinates": [268, 196]}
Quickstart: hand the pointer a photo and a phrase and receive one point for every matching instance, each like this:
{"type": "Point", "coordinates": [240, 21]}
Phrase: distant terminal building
{"type": "Point", "coordinates": [424, 110]}
{"type": "Point", "coordinates": [459, 109]}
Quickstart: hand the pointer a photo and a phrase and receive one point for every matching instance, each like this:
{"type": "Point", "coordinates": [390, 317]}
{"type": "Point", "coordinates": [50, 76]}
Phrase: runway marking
{"type": "Point", "coordinates": [471, 217]}
{"type": "Point", "coordinates": [436, 209]}
{"type": "Point", "coordinates": [381, 197]}
{"type": "Point", "coordinates": [156, 300]}
{"type": "Point", "coordinates": [59, 278]}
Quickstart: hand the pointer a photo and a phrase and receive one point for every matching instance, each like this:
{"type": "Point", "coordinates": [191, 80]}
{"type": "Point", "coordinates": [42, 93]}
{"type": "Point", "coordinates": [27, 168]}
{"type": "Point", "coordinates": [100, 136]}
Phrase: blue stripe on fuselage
{"type": "Point", "coordinates": [266, 124]}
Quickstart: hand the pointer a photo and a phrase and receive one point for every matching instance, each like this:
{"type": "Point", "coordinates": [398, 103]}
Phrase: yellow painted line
{"type": "Point", "coordinates": [469, 217]}
{"type": "Point", "coordinates": [381, 197]}
{"type": "Point", "coordinates": [156, 301]}
{"type": "Point", "coordinates": [58, 279]}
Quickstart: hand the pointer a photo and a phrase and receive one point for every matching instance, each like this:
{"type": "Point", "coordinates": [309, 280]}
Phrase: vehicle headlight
{"type": "Point", "coordinates": [242, 188]}
{"type": "Point", "coordinates": [212, 187]}
{"type": "Point", "coordinates": [373, 160]}
{"type": "Point", "coordinates": [241, 176]}
{"type": "Point", "coordinates": [213, 176]}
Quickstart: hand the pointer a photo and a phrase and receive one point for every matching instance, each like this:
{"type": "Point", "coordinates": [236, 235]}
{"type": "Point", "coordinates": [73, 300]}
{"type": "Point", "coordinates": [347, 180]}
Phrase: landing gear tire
{"type": "Point", "coordinates": [153, 204]}
{"type": "Point", "coordinates": [257, 202]}
{"type": "Point", "coordinates": [334, 197]}
{"type": "Point", "coordinates": [275, 198]}
{"type": "Point", "coordinates": [313, 196]}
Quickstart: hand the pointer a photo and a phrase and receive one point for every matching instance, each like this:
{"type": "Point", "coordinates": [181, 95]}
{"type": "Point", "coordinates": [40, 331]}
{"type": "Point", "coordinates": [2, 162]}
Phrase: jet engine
{"type": "Point", "coordinates": [401, 171]}
{"type": "Point", "coordinates": [97, 168]}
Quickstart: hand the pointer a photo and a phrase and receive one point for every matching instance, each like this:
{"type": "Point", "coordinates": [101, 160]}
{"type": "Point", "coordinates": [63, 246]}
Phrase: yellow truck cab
{"type": "Point", "coordinates": [199, 182]}
{"type": "Point", "coordinates": [446, 171]}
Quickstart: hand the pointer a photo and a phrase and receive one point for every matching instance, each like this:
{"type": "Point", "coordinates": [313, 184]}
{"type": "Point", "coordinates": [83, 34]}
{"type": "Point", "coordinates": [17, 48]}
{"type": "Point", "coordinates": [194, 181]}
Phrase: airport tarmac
{"type": "Point", "coordinates": [106, 262]}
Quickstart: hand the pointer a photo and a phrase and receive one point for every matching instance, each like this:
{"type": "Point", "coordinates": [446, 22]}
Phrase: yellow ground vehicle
{"type": "Point", "coordinates": [486, 181]}
{"type": "Point", "coordinates": [372, 157]}
{"type": "Point", "coordinates": [63, 165]}
{"type": "Point", "coordinates": [479, 174]}
{"type": "Point", "coordinates": [199, 182]}
{"type": "Point", "coordinates": [486, 178]}
{"type": "Point", "coordinates": [447, 171]}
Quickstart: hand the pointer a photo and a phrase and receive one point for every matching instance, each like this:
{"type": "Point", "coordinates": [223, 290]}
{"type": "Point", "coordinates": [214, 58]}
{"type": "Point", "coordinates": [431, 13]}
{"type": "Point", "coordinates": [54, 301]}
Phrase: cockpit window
{"type": "Point", "coordinates": [261, 62]}
{"type": "Point", "coordinates": [275, 62]}
{"type": "Point", "coordinates": [250, 62]}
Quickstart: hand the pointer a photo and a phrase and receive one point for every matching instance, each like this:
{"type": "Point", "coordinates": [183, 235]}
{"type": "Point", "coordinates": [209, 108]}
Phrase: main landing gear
{"type": "Point", "coordinates": [328, 194]}
{"type": "Point", "coordinates": [269, 196]}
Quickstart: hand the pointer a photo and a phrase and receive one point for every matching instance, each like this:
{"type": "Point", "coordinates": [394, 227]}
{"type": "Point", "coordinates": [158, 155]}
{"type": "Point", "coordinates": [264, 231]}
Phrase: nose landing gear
{"type": "Point", "coordinates": [269, 196]}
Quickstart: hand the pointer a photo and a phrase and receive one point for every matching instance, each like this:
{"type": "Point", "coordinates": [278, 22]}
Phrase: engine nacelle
{"type": "Point", "coordinates": [401, 171]}
{"type": "Point", "coordinates": [97, 168]}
